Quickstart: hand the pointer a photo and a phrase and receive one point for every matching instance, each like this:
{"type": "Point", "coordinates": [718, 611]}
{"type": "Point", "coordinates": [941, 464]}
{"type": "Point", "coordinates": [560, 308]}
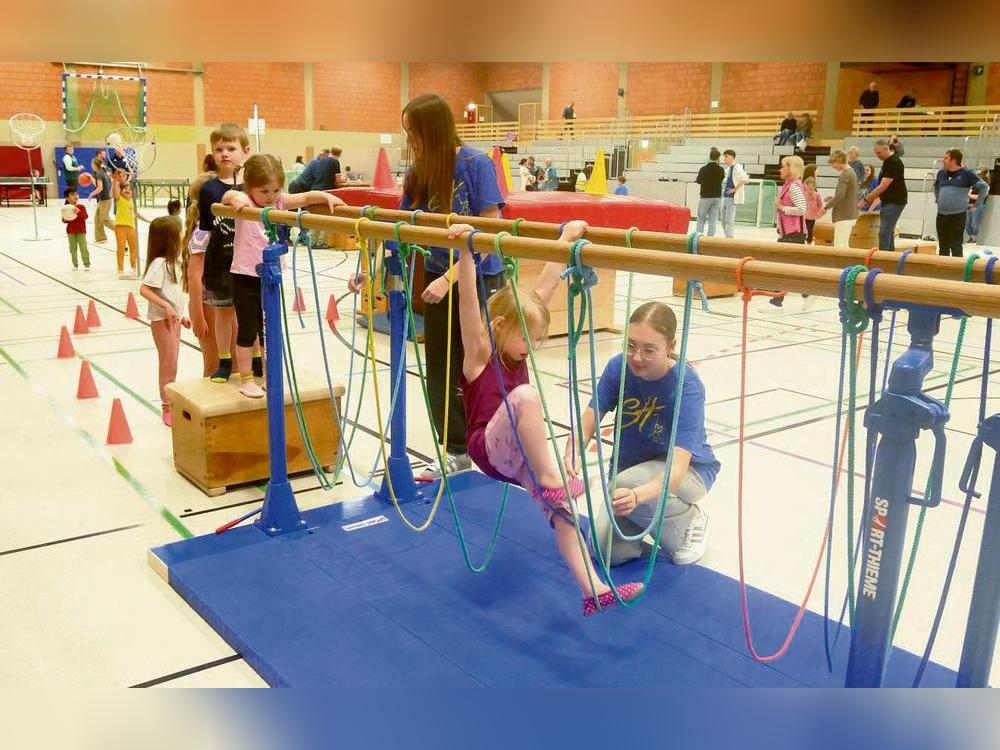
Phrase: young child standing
{"type": "Point", "coordinates": [263, 180]}
{"type": "Point", "coordinates": [125, 233]}
{"type": "Point", "coordinates": [161, 289]}
{"type": "Point", "coordinates": [493, 436]}
{"type": "Point", "coordinates": [193, 268]}
{"type": "Point", "coordinates": [814, 201]}
{"type": "Point", "coordinates": [230, 148]}
{"type": "Point", "coordinates": [76, 228]}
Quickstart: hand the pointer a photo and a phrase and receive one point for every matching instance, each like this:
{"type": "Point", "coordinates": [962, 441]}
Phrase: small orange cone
{"type": "Point", "coordinates": [131, 309]}
{"type": "Point", "coordinates": [118, 431]}
{"type": "Point", "coordinates": [80, 323]}
{"type": "Point", "coordinates": [332, 313]}
{"type": "Point", "coordinates": [93, 321]}
{"type": "Point", "coordinates": [300, 303]}
{"type": "Point", "coordinates": [383, 175]}
{"type": "Point", "coordinates": [87, 388]}
{"type": "Point", "coordinates": [65, 345]}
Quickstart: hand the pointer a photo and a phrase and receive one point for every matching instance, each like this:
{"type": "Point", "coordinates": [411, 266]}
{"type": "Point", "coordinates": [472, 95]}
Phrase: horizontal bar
{"type": "Point", "coordinates": [973, 299]}
{"type": "Point", "coordinates": [917, 264]}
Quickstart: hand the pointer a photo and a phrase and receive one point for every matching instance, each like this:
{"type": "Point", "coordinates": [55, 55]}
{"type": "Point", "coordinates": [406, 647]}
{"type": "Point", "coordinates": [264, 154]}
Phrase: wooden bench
{"type": "Point", "coordinates": [220, 436]}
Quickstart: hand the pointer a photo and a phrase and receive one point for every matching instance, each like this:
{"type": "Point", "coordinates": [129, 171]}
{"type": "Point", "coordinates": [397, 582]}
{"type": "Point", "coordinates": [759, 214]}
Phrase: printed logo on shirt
{"type": "Point", "coordinates": [636, 413]}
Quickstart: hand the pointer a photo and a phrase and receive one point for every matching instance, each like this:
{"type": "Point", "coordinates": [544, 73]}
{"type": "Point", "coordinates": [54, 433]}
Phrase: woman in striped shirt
{"type": "Point", "coordinates": [791, 207]}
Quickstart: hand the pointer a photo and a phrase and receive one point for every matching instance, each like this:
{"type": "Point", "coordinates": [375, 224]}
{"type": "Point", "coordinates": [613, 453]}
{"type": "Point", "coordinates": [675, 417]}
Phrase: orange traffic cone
{"type": "Point", "coordinates": [383, 175]}
{"type": "Point", "coordinates": [86, 388]}
{"type": "Point", "coordinates": [118, 431]}
{"type": "Point", "coordinates": [80, 323]}
{"type": "Point", "coordinates": [131, 309]}
{"type": "Point", "coordinates": [65, 345]}
{"type": "Point", "coordinates": [92, 320]}
{"type": "Point", "coordinates": [332, 313]}
{"type": "Point", "coordinates": [300, 303]}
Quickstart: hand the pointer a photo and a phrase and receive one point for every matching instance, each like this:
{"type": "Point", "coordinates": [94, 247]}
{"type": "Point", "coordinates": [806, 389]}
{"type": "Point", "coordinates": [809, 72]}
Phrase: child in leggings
{"type": "Point", "coordinates": [263, 181]}
{"type": "Point", "coordinates": [161, 289]}
{"type": "Point", "coordinates": [125, 231]}
{"type": "Point", "coordinates": [517, 450]}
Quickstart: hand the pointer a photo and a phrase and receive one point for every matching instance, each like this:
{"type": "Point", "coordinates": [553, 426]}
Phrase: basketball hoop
{"type": "Point", "coordinates": [27, 131]}
{"type": "Point", "coordinates": [131, 150]}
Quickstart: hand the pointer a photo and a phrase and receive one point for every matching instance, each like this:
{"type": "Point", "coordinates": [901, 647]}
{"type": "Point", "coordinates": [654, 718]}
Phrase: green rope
{"type": "Point", "coordinates": [854, 319]}
{"type": "Point", "coordinates": [911, 561]}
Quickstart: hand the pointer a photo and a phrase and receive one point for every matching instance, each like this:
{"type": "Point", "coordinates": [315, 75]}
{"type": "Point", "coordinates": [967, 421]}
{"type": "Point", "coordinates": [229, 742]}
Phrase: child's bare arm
{"type": "Point", "coordinates": [548, 279]}
{"type": "Point", "coordinates": [474, 341]}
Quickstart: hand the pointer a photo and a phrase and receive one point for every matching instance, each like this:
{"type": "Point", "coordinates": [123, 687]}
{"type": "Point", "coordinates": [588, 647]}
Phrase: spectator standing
{"type": "Point", "coordinates": [869, 97]}
{"type": "Point", "coordinates": [551, 177]}
{"type": "Point", "coordinates": [791, 208]}
{"type": "Point", "coordinates": [71, 167]}
{"type": "Point", "coordinates": [786, 130]}
{"type": "Point", "coordinates": [569, 114]}
{"type": "Point", "coordinates": [814, 201]}
{"type": "Point", "coordinates": [891, 191]}
{"type": "Point", "coordinates": [710, 179]}
{"type": "Point", "coordinates": [733, 194]}
{"type": "Point", "coordinates": [951, 191]}
{"type": "Point", "coordinates": [621, 188]}
{"type": "Point", "coordinates": [976, 208]}
{"type": "Point", "coordinates": [843, 204]}
{"type": "Point", "coordinates": [524, 174]}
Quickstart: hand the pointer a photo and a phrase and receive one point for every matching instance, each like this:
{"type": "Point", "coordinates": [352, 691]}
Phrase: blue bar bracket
{"type": "Point", "coordinates": [280, 514]}
{"type": "Point", "coordinates": [898, 417]}
{"type": "Point", "coordinates": [984, 608]}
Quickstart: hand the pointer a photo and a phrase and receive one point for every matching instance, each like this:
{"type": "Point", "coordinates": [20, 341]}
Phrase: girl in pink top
{"type": "Point", "coordinates": [263, 180]}
{"type": "Point", "coordinates": [493, 432]}
{"type": "Point", "coordinates": [814, 201]}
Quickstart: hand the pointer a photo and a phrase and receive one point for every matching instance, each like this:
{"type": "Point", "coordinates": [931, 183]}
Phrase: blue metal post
{"type": "Point", "coordinates": [984, 610]}
{"type": "Point", "coordinates": [399, 471]}
{"type": "Point", "coordinates": [898, 417]}
{"type": "Point", "coordinates": [281, 513]}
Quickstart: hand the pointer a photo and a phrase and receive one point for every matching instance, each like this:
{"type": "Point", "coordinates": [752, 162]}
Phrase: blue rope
{"type": "Point", "coordinates": [969, 494]}
{"type": "Point", "coordinates": [698, 286]}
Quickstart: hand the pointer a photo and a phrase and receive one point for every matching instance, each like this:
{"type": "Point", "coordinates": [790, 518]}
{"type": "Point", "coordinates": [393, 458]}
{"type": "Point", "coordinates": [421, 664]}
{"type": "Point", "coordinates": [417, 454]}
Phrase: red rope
{"type": "Point", "coordinates": [747, 631]}
{"type": "Point", "coordinates": [869, 256]}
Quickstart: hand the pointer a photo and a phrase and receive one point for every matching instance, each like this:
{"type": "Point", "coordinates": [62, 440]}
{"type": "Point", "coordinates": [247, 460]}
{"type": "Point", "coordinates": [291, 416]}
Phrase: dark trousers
{"type": "Point", "coordinates": [810, 224]}
{"type": "Point", "coordinates": [950, 229]}
{"type": "Point", "coordinates": [436, 335]}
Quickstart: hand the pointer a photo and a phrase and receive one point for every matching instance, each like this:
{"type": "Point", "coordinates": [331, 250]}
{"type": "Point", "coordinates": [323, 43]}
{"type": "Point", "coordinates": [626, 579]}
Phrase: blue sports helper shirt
{"type": "Point", "coordinates": [475, 189]}
{"type": "Point", "coordinates": [648, 412]}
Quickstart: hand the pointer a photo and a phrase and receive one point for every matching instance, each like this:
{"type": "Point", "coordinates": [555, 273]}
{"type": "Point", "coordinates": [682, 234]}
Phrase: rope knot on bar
{"type": "Point", "coordinates": [581, 277]}
{"type": "Point", "coordinates": [510, 265]}
{"type": "Point", "coordinates": [745, 292]}
{"type": "Point", "coordinates": [853, 314]}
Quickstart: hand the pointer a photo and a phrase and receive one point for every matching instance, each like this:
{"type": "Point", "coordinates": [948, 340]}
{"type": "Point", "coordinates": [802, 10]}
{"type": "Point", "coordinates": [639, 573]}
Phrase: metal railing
{"type": "Point", "coordinates": [923, 121]}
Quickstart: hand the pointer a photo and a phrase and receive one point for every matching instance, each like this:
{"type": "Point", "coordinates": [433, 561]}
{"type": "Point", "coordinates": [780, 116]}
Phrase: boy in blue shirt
{"type": "Point", "coordinates": [621, 189]}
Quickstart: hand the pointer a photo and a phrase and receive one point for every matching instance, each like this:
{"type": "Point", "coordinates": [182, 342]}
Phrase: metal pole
{"type": "Point", "coordinates": [280, 514]}
{"type": "Point", "coordinates": [256, 126]}
{"type": "Point", "coordinates": [34, 208]}
{"type": "Point", "coordinates": [899, 416]}
{"type": "Point", "coordinates": [984, 609]}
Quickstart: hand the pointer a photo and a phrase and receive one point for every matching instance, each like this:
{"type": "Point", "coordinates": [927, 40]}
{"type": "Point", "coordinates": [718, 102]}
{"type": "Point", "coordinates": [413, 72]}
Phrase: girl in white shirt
{"type": "Point", "coordinates": [162, 289]}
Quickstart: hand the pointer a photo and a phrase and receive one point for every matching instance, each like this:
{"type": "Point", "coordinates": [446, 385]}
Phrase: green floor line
{"type": "Point", "coordinates": [11, 306]}
{"type": "Point", "coordinates": [160, 509]}
{"type": "Point", "coordinates": [152, 407]}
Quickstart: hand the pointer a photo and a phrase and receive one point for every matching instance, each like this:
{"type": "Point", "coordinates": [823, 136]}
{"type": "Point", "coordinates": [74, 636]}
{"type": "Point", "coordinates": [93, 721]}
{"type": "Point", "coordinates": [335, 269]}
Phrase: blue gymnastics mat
{"type": "Point", "coordinates": [359, 600]}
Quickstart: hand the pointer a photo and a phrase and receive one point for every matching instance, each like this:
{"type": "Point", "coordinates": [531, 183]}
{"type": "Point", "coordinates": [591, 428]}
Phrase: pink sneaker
{"type": "Point", "coordinates": [627, 591]}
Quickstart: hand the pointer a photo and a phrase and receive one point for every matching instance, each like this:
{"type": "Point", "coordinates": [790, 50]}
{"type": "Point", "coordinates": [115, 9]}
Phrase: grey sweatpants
{"type": "Point", "coordinates": [678, 514]}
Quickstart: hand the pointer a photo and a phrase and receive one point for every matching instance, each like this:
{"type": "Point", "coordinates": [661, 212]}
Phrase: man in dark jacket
{"type": "Point", "coordinates": [710, 179]}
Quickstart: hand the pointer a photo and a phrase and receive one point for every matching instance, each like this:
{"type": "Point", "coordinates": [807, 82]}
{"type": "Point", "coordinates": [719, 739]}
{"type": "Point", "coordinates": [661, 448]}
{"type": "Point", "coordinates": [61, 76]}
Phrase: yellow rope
{"type": "Point", "coordinates": [378, 407]}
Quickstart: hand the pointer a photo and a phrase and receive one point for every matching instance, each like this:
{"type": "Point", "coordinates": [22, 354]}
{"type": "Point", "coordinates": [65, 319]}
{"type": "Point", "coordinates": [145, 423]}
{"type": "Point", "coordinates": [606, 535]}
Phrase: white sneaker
{"type": "Point", "coordinates": [807, 301]}
{"type": "Point", "coordinates": [695, 540]}
{"type": "Point", "coordinates": [251, 390]}
{"type": "Point", "coordinates": [453, 464]}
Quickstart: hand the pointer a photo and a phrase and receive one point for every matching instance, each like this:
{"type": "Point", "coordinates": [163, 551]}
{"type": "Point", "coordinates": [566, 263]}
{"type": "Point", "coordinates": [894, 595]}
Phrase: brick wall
{"type": "Point", "coordinates": [666, 88]}
{"type": "Point", "coordinates": [932, 88]}
{"type": "Point", "coordinates": [458, 83]}
{"type": "Point", "coordinates": [356, 96]}
{"type": "Point", "coordinates": [34, 87]}
{"type": "Point", "coordinates": [171, 95]}
{"type": "Point", "coordinates": [592, 86]}
{"type": "Point", "coordinates": [232, 88]}
{"type": "Point", "coordinates": [767, 86]}
{"type": "Point", "coordinates": [512, 76]}
{"type": "Point", "coordinates": [993, 84]}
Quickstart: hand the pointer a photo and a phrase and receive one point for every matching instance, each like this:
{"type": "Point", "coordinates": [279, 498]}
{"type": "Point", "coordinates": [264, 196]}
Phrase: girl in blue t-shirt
{"type": "Point", "coordinates": [447, 177]}
{"type": "Point", "coordinates": [648, 409]}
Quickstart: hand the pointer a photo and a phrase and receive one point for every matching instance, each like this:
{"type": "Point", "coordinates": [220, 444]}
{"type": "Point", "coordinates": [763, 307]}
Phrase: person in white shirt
{"type": "Point", "coordinates": [733, 194]}
{"type": "Point", "coordinates": [525, 174]}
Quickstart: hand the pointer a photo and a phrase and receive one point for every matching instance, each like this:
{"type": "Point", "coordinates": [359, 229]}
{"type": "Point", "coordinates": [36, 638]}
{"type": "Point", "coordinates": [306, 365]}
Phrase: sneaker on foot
{"type": "Point", "coordinates": [627, 591]}
{"type": "Point", "coordinates": [692, 549]}
{"type": "Point", "coordinates": [453, 464]}
{"type": "Point", "coordinates": [807, 301]}
{"type": "Point", "coordinates": [251, 390]}
{"type": "Point", "coordinates": [86, 268]}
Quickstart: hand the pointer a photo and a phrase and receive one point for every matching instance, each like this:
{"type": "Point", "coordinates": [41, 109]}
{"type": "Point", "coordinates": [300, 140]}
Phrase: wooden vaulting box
{"type": "Point", "coordinates": [220, 436]}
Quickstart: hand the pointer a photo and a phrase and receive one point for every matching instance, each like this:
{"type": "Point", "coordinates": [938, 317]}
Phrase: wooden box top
{"type": "Point", "coordinates": [204, 398]}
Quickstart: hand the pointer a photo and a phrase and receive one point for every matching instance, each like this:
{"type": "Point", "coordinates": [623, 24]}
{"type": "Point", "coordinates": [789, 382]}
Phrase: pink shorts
{"type": "Point", "coordinates": [504, 456]}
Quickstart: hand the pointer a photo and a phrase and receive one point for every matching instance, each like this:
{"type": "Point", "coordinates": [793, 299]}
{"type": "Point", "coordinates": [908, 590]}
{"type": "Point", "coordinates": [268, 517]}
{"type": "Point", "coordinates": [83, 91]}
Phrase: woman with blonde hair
{"type": "Point", "coordinates": [790, 205]}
